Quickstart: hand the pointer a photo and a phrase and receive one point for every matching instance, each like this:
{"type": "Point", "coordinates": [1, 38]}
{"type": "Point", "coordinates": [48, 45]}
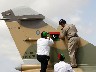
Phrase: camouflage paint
{"type": "Point", "coordinates": [85, 55]}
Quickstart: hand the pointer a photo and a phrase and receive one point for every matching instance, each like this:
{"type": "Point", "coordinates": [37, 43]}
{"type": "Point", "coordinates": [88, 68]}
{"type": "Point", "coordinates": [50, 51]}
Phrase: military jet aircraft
{"type": "Point", "coordinates": [24, 23]}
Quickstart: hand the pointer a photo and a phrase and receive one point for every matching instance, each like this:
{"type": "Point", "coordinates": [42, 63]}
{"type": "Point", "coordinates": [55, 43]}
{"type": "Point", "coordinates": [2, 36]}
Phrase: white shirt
{"type": "Point", "coordinates": [43, 46]}
{"type": "Point", "coordinates": [63, 67]}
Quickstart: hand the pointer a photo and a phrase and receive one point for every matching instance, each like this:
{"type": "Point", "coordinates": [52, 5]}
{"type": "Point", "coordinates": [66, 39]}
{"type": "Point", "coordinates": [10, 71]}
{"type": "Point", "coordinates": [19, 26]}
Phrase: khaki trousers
{"type": "Point", "coordinates": [73, 44]}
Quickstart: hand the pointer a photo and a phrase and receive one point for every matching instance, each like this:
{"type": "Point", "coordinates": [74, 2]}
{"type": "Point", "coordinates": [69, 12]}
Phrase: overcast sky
{"type": "Point", "coordinates": [82, 13]}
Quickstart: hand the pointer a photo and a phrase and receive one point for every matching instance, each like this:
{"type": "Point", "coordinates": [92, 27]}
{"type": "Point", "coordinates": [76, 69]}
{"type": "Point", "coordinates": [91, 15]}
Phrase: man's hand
{"type": "Point", "coordinates": [61, 37]}
{"type": "Point", "coordinates": [48, 38]}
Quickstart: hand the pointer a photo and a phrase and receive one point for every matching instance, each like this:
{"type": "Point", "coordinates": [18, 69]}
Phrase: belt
{"type": "Point", "coordinates": [71, 37]}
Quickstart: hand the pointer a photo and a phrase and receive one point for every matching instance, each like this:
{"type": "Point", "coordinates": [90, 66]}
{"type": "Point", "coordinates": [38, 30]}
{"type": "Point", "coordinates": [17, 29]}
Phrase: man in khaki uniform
{"type": "Point", "coordinates": [70, 32]}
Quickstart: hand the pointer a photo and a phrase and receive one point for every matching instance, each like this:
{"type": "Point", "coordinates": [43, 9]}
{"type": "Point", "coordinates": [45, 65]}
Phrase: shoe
{"type": "Point", "coordinates": [74, 66]}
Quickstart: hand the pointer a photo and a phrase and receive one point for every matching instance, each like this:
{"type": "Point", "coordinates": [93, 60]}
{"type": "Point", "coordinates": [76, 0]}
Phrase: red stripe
{"type": "Point", "coordinates": [54, 32]}
{"type": "Point", "coordinates": [59, 56]}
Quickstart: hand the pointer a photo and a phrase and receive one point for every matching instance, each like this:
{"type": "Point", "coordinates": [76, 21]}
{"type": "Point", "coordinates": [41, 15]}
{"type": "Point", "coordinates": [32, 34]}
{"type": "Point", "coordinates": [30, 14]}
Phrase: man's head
{"type": "Point", "coordinates": [61, 57]}
{"type": "Point", "coordinates": [44, 34]}
{"type": "Point", "coordinates": [62, 22]}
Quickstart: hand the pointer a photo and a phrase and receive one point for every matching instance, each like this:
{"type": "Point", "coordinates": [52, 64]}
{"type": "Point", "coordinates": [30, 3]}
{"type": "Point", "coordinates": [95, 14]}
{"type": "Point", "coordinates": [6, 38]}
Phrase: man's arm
{"type": "Point", "coordinates": [55, 67]}
{"type": "Point", "coordinates": [63, 34]}
{"type": "Point", "coordinates": [50, 42]}
{"type": "Point", "coordinates": [69, 68]}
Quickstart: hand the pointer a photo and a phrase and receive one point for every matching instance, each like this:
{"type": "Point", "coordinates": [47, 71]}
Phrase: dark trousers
{"type": "Point", "coordinates": [43, 59]}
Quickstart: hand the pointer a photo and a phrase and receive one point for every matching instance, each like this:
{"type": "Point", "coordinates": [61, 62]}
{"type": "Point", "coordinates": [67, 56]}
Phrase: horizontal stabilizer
{"type": "Point", "coordinates": [32, 17]}
{"type": "Point", "coordinates": [5, 19]}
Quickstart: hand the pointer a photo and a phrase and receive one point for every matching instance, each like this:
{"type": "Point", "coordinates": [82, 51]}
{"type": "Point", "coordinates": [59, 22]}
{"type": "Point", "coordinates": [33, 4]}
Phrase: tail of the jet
{"type": "Point", "coordinates": [24, 23]}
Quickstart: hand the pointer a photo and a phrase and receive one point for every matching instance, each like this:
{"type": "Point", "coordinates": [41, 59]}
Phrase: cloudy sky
{"type": "Point", "coordinates": [82, 13]}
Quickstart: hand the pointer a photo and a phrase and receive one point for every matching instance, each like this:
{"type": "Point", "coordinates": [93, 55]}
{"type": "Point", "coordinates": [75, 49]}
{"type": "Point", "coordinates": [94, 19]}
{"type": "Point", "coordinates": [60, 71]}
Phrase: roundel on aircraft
{"type": "Point", "coordinates": [37, 32]}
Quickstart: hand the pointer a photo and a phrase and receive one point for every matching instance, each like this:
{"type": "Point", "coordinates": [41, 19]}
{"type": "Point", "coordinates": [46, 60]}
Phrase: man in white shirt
{"type": "Point", "coordinates": [43, 49]}
{"type": "Point", "coordinates": [62, 66]}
